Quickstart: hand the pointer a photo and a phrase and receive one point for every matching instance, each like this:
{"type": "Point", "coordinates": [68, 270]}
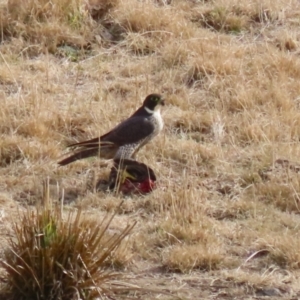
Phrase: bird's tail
{"type": "Point", "coordinates": [105, 150]}
{"type": "Point", "coordinates": [78, 155]}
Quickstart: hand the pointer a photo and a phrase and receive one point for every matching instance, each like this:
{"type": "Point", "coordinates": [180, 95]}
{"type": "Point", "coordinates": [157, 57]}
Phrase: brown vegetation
{"type": "Point", "coordinates": [224, 218]}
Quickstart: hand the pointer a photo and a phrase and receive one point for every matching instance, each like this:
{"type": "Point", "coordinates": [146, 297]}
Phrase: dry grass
{"type": "Point", "coordinates": [226, 210]}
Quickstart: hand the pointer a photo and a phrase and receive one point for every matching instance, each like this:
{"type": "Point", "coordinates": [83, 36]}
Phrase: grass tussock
{"type": "Point", "coordinates": [191, 245]}
{"type": "Point", "coordinates": [280, 185]}
{"type": "Point", "coordinates": [192, 257]}
{"type": "Point", "coordinates": [150, 19]}
{"type": "Point", "coordinates": [220, 19]}
{"type": "Point", "coordinates": [58, 257]}
{"type": "Point", "coordinates": [235, 17]}
{"type": "Point", "coordinates": [281, 250]}
{"type": "Point", "coordinates": [10, 152]}
{"type": "Point", "coordinates": [64, 28]}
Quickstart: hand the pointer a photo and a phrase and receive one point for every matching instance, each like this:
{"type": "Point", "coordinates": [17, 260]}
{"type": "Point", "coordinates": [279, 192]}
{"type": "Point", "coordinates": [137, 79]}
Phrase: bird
{"type": "Point", "coordinates": [127, 138]}
{"type": "Point", "coordinates": [131, 177]}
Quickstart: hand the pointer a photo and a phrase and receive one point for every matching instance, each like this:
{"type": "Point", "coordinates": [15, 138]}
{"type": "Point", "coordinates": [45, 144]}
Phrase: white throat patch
{"type": "Point", "coordinates": [157, 117]}
{"type": "Point", "coordinates": [149, 111]}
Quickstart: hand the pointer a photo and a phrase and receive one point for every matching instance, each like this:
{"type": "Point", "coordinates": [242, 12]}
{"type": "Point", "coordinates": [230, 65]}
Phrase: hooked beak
{"type": "Point", "coordinates": [162, 101]}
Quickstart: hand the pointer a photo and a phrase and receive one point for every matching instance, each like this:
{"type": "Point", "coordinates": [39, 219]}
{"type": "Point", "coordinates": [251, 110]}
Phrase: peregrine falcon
{"type": "Point", "coordinates": [127, 138]}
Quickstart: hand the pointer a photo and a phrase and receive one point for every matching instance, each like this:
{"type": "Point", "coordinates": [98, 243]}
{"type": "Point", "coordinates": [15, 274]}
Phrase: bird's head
{"type": "Point", "coordinates": [130, 176]}
{"type": "Point", "coordinates": [126, 175]}
{"type": "Point", "coordinates": [134, 171]}
{"type": "Point", "coordinates": [153, 101]}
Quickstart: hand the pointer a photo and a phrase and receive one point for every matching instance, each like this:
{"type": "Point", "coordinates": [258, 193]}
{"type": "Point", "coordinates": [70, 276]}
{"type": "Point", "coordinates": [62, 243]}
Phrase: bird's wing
{"type": "Point", "coordinates": [93, 143]}
{"type": "Point", "coordinates": [130, 131]}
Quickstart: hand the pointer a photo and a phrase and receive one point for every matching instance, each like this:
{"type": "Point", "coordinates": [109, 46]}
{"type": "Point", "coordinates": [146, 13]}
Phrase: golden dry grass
{"type": "Point", "coordinates": [225, 217]}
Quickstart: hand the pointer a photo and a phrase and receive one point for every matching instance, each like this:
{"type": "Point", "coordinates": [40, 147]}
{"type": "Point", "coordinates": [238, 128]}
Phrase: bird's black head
{"type": "Point", "coordinates": [153, 100]}
{"type": "Point", "coordinates": [131, 170]}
